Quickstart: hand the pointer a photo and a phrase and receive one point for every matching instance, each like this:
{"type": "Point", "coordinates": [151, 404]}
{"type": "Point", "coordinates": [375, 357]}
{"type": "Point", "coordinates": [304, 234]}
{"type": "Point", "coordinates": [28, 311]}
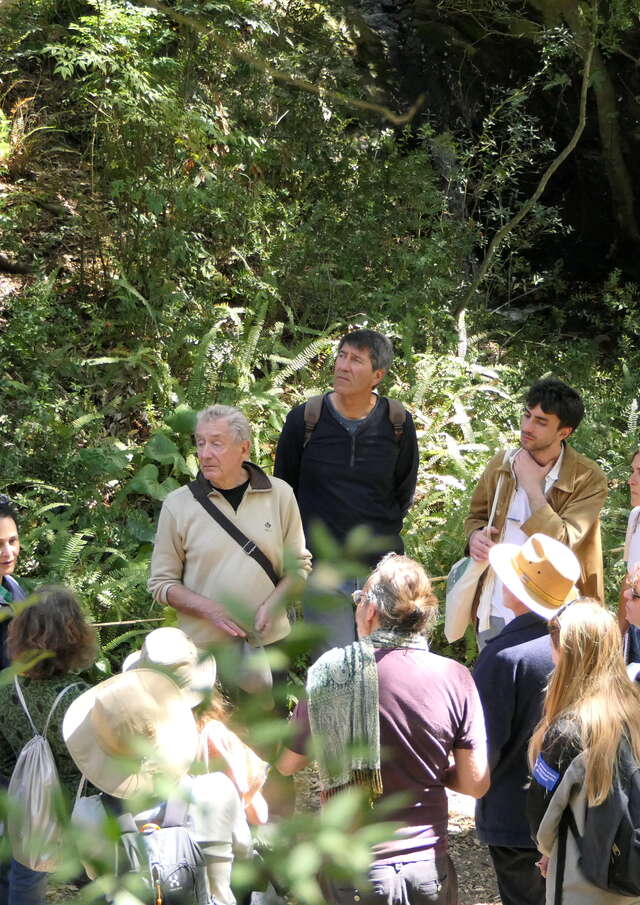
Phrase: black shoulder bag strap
{"type": "Point", "coordinates": [249, 547]}
{"type": "Point", "coordinates": [563, 829]}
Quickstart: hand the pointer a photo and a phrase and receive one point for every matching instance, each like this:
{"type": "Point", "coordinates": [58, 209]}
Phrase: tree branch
{"type": "Point", "coordinates": [255, 62]}
{"type": "Point", "coordinates": [528, 206]}
{"type": "Point", "coordinates": [9, 266]}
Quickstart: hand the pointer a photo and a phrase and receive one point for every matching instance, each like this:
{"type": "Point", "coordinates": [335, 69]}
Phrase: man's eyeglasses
{"type": "Point", "coordinates": [635, 594]}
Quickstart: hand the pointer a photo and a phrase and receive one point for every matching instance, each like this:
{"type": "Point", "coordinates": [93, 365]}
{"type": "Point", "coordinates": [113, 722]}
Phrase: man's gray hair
{"type": "Point", "coordinates": [238, 423]}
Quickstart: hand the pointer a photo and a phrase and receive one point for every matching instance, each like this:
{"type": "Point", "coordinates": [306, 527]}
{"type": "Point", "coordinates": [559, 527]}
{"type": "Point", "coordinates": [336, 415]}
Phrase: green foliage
{"type": "Point", "coordinates": [204, 233]}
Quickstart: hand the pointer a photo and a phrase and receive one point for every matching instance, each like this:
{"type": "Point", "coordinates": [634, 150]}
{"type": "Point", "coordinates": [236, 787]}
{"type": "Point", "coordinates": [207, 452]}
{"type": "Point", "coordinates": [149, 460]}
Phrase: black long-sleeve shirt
{"type": "Point", "coordinates": [345, 479]}
{"type": "Point", "coordinates": [559, 746]}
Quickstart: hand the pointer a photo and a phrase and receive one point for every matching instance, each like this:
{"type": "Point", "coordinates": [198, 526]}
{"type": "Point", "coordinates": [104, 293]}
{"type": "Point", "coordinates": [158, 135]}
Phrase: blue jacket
{"type": "Point", "coordinates": [511, 675]}
{"type": "Point", "coordinates": [17, 593]}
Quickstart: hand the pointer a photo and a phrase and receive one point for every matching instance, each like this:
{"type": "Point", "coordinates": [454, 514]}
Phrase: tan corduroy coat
{"type": "Point", "coordinates": [572, 514]}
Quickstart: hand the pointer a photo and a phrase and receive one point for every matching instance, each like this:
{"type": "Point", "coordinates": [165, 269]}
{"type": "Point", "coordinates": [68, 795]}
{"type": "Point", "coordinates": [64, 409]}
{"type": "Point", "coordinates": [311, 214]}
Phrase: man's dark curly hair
{"type": "Point", "coordinates": [52, 621]}
{"type": "Point", "coordinates": [557, 398]}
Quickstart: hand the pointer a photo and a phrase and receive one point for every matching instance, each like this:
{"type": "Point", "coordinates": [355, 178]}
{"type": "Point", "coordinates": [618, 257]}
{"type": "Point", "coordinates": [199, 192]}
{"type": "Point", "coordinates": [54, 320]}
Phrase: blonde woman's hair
{"type": "Point", "coordinates": [590, 688]}
{"type": "Point", "coordinates": [400, 590]}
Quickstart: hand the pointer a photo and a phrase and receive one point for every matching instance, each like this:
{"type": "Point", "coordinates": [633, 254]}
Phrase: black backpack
{"type": "Point", "coordinates": [167, 858]}
{"type": "Point", "coordinates": [313, 407]}
{"type": "Point", "coordinates": [610, 845]}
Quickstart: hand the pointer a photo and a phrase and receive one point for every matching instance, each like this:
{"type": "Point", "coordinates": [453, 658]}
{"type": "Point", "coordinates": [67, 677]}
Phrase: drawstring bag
{"type": "Point", "coordinates": [88, 818]}
{"type": "Point", "coordinates": [33, 822]}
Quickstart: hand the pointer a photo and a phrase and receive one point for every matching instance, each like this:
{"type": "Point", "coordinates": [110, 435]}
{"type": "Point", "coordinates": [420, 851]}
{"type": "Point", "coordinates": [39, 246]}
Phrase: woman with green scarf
{"type": "Point", "coordinates": [387, 714]}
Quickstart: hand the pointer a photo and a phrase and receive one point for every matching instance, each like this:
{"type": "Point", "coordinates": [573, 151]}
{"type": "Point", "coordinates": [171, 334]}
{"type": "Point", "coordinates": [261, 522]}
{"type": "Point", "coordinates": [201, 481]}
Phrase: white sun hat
{"type": "Point", "coordinates": [129, 729]}
{"type": "Point", "coordinates": [170, 651]}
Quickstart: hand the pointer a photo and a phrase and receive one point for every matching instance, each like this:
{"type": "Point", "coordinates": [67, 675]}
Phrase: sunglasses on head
{"type": "Point", "coordinates": [554, 624]}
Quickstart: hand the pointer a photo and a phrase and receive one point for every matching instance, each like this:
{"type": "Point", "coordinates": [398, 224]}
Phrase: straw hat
{"type": "Point", "coordinates": [170, 651]}
{"type": "Point", "coordinates": [128, 729]}
{"type": "Point", "coordinates": [541, 573]}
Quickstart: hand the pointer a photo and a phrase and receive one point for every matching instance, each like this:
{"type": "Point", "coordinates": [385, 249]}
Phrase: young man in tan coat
{"type": "Point", "coordinates": [548, 488]}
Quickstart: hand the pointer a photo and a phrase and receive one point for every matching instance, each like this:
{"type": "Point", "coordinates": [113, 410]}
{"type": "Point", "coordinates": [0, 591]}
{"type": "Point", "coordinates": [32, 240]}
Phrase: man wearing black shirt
{"type": "Point", "coordinates": [353, 467]}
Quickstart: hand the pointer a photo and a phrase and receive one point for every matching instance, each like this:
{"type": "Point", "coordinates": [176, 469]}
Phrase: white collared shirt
{"type": "Point", "coordinates": [518, 513]}
{"type": "Point", "coordinates": [632, 542]}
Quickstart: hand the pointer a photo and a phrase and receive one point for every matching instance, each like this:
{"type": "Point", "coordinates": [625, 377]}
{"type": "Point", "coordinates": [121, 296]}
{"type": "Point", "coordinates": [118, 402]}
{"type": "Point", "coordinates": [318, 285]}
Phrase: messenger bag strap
{"type": "Point", "coordinates": [496, 495]}
{"type": "Point", "coordinates": [249, 547]}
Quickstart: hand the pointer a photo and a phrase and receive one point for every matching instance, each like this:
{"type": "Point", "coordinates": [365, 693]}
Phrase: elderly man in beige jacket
{"type": "Point", "coordinates": [200, 569]}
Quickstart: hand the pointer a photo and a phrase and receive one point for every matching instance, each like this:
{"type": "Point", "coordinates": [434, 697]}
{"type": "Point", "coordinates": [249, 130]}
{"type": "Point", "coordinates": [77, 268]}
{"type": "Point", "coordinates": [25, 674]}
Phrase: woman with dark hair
{"type": "Point", "coordinates": [53, 640]}
{"type": "Point", "coordinates": [10, 590]}
{"type": "Point", "coordinates": [590, 708]}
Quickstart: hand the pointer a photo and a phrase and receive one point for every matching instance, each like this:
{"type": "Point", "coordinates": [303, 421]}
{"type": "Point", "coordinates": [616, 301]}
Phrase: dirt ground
{"type": "Point", "coordinates": [476, 880]}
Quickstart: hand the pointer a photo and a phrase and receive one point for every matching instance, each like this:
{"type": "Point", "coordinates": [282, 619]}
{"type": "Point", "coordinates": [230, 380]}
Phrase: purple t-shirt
{"type": "Point", "coordinates": [428, 706]}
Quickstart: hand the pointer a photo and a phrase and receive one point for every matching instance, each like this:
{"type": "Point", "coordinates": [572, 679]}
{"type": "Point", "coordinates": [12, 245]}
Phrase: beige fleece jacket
{"type": "Point", "coordinates": [192, 549]}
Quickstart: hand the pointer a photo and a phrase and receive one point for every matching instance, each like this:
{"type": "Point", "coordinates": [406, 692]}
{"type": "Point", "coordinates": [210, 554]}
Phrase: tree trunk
{"type": "Point", "coordinates": [622, 195]}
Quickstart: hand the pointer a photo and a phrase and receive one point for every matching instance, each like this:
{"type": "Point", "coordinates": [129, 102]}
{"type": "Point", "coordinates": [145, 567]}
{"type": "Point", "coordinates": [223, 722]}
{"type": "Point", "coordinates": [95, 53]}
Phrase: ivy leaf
{"type": "Point", "coordinates": [104, 461]}
{"type": "Point", "coordinates": [146, 482]}
{"type": "Point", "coordinates": [161, 449]}
{"type": "Point", "coordinates": [183, 420]}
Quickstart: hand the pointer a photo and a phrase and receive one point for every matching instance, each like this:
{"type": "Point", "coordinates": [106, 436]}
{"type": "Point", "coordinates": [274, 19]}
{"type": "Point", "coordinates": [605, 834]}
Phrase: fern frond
{"type": "Point", "coordinates": [300, 361]}
{"type": "Point", "coordinates": [125, 636]}
{"type": "Point", "coordinates": [632, 415]}
{"type": "Point", "coordinates": [72, 550]}
{"type": "Point", "coordinates": [248, 348]}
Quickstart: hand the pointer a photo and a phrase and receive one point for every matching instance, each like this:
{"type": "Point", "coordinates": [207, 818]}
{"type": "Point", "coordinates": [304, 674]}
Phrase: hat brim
{"type": "Point", "coordinates": [175, 744]}
{"type": "Point", "coordinates": [202, 680]}
{"type": "Point", "coordinates": [501, 560]}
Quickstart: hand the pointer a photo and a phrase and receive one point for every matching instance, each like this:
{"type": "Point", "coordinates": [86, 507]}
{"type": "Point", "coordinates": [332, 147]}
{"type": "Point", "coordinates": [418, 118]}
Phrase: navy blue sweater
{"type": "Point", "coordinates": [345, 480]}
{"type": "Point", "coordinates": [511, 675]}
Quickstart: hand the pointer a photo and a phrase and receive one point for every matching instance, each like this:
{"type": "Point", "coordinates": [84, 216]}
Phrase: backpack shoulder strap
{"type": "Point", "coordinates": [175, 812]}
{"type": "Point", "coordinates": [397, 417]}
{"type": "Point", "coordinates": [127, 824]}
{"type": "Point", "coordinates": [23, 704]}
{"type": "Point", "coordinates": [59, 697]}
{"type": "Point", "coordinates": [312, 409]}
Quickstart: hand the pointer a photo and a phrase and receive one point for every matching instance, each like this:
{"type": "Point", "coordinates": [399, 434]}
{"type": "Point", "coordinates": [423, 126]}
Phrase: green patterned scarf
{"type": "Point", "coordinates": [342, 689]}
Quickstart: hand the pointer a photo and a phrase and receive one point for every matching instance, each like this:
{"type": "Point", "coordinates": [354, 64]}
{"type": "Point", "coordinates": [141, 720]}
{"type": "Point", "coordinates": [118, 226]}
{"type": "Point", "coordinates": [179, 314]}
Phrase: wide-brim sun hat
{"type": "Point", "coordinates": [128, 730]}
{"type": "Point", "coordinates": [170, 651]}
{"type": "Point", "coordinates": [542, 573]}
